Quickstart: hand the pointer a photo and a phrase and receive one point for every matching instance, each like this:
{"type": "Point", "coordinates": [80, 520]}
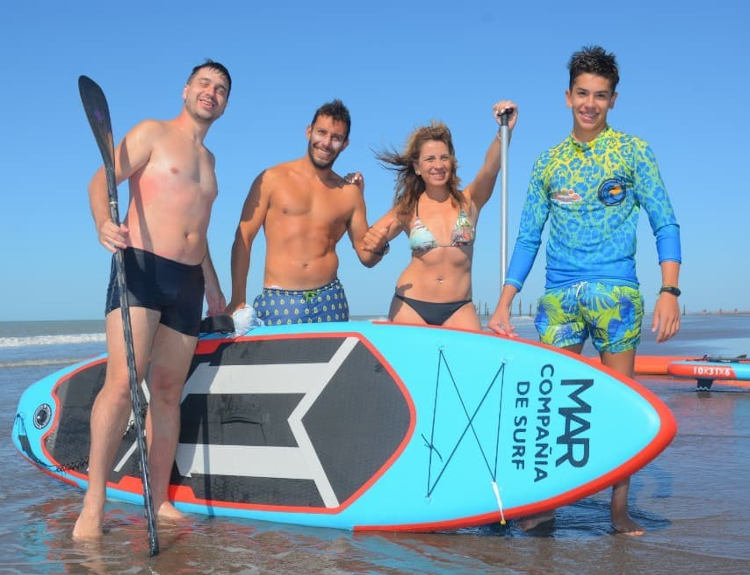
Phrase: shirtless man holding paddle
{"type": "Point", "coordinates": [168, 270]}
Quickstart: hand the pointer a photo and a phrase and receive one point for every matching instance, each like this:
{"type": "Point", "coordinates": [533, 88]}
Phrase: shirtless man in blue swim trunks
{"type": "Point", "coordinates": [168, 268]}
{"type": "Point", "coordinates": [304, 208]}
{"type": "Point", "coordinates": [591, 187]}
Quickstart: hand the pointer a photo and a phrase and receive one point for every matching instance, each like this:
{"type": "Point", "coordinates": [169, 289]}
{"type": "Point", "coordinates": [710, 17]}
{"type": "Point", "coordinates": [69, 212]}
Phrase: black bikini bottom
{"type": "Point", "coordinates": [431, 312]}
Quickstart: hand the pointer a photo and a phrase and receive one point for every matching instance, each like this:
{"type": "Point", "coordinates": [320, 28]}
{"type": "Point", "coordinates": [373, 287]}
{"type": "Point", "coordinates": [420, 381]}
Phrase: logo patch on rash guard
{"type": "Point", "coordinates": [565, 196]}
{"type": "Point", "coordinates": [612, 192]}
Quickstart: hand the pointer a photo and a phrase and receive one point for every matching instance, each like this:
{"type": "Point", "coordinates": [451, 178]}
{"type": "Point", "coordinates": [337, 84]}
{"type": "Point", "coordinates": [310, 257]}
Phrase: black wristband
{"type": "Point", "coordinates": [674, 290]}
{"type": "Point", "coordinates": [385, 250]}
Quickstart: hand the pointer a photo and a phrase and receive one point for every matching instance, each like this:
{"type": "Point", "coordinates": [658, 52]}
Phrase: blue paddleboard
{"type": "Point", "coordinates": [369, 426]}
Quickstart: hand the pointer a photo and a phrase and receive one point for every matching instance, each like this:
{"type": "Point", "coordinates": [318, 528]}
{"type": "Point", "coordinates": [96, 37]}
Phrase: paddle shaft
{"type": "Point", "coordinates": [97, 112]}
{"type": "Point", "coordinates": [504, 137]}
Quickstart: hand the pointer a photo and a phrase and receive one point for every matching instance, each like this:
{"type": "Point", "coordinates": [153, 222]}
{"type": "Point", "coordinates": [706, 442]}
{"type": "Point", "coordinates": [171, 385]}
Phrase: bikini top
{"type": "Point", "coordinates": [421, 239]}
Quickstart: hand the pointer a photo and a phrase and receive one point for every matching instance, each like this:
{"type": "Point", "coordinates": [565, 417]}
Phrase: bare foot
{"type": "Point", "coordinates": [621, 519]}
{"type": "Point", "coordinates": [169, 513]}
{"type": "Point", "coordinates": [623, 523]}
{"type": "Point", "coordinates": [532, 521]}
{"type": "Point", "coordinates": [88, 525]}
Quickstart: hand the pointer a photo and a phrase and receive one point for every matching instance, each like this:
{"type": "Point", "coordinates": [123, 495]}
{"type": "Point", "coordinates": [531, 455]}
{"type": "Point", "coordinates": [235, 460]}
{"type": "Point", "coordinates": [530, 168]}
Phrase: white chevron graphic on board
{"type": "Point", "coordinates": [301, 462]}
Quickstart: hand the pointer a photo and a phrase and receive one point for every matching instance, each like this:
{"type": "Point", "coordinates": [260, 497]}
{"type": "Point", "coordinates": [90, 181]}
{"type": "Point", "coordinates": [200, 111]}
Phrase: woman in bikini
{"type": "Point", "coordinates": [440, 221]}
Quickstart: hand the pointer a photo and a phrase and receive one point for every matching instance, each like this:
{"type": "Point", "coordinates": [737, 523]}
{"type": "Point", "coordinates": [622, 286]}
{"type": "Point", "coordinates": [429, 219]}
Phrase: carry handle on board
{"type": "Point", "coordinates": [97, 112]}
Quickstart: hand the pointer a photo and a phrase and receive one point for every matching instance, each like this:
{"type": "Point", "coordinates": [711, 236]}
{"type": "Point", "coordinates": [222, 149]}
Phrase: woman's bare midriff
{"type": "Point", "coordinates": [446, 281]}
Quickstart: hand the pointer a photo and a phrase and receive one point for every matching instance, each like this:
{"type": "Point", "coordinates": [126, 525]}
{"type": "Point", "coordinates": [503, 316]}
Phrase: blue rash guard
{"type": "Point", "coordinates": [592, 194]}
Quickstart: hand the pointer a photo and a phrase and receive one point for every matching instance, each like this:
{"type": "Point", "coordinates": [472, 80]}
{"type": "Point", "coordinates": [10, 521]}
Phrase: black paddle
{"type": "Point", "coordinates": [97, 112]}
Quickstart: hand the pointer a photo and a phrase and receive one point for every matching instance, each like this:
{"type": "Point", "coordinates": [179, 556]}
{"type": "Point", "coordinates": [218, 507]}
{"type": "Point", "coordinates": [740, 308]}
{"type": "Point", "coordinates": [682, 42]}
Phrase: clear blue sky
{"type": "Point", "coordinates": [397, 64]}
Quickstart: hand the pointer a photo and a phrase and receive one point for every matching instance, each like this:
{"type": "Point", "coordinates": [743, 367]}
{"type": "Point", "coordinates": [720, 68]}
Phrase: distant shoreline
{"type": "Point", "coordinates": [485, 308]}
{"type": "Point", "coordinates": [720, 312]}
{"type": "Point", "coordinates": [684, 313]}
{"type": "Point", "coordinates": [366, 317]}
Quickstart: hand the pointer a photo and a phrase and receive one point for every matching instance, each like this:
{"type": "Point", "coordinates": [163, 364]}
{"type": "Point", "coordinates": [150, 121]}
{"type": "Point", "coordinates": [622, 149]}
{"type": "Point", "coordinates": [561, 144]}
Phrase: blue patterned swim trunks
{"type": "Point", "coordinates": [610, 314]}
{"type": "Point", "coordinates": [276, 306]}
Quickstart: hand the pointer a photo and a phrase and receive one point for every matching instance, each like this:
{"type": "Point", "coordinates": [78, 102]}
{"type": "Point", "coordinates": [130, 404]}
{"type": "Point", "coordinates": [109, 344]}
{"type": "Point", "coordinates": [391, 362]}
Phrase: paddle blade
{"type": "Point", "coordinates": [97, 112]}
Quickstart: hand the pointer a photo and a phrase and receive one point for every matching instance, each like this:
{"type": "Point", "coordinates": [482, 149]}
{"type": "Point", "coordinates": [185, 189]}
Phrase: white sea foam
{"type": "Point", "coordinates": [63, 339]}
{"type": "Point", "coordinates": [61, 361]}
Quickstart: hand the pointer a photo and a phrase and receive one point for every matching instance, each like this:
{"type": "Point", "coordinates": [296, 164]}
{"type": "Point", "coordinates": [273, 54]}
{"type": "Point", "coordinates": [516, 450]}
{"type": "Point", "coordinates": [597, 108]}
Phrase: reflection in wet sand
{"type": "Point", "coordinates": [693, 501]}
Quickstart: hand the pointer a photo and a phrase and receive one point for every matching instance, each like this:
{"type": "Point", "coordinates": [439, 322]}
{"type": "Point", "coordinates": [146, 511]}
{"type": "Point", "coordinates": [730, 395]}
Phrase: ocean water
{"type": "Point", "coordinates": [693, 499]}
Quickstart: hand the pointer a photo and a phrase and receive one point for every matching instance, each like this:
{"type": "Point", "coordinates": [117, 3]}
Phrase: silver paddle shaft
{"type": "Point", "coordinates": [504, 136]}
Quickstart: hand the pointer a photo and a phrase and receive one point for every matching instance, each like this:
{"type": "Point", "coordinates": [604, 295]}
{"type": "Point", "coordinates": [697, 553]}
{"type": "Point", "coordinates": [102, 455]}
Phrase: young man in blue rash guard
{"type": "Point", "coordinates": [591, 187]}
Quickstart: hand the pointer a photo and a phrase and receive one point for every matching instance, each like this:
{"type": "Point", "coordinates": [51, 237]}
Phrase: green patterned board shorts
{"type": "Point", "coordinates": [277, 306]}
{"type": "Point", "coordinates": [610, 314]}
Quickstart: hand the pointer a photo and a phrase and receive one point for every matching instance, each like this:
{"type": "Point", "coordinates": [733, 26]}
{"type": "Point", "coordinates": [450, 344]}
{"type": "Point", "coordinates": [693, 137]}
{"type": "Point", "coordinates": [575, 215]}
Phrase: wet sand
{"type": "Point", "coordinates": [693, 500]}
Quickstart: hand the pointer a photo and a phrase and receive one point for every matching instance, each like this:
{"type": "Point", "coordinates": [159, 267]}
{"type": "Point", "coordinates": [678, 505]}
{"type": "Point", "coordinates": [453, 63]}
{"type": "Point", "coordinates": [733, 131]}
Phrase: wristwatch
{"type": "Point", "coordinates": [675, 291]}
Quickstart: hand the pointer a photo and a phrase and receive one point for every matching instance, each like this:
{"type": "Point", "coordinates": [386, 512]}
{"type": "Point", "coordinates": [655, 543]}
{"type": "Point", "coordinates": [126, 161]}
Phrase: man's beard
{"type": "Point", "coordinates": [317, 163]}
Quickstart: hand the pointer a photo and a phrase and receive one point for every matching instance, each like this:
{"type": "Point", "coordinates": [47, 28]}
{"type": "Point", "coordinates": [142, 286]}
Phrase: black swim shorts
{"type": "Point", "coordinates": [170, 287]}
